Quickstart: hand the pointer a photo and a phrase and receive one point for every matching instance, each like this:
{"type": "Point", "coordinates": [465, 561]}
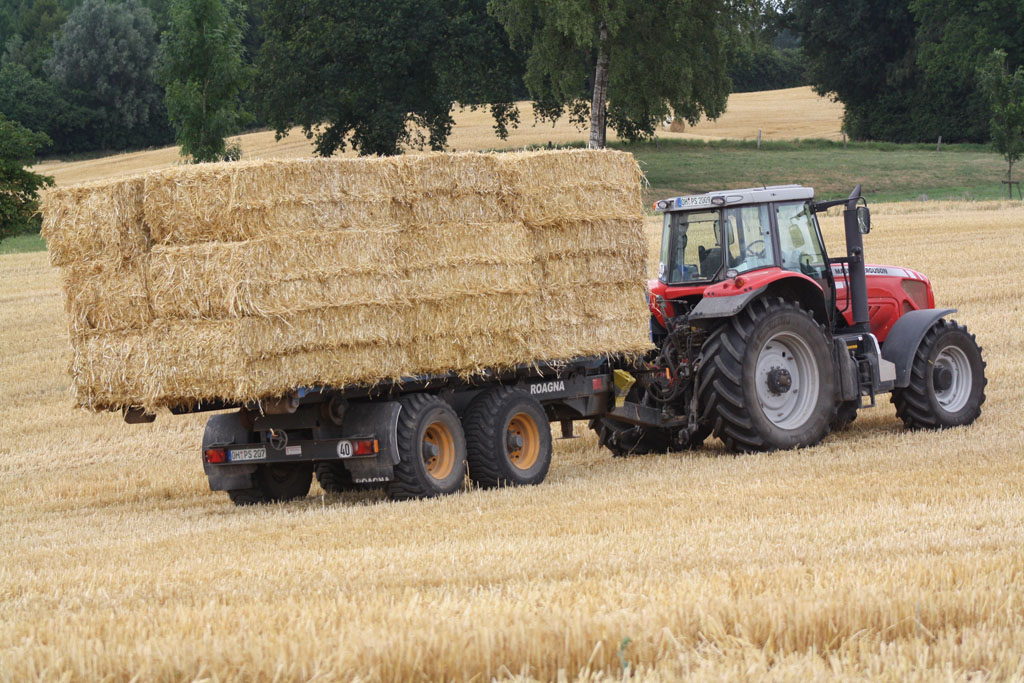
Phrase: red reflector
{"type": "Point", "coordinates": [597, 383]}
{"type": "Point", "coordinates": [215, 455]}
{"type": "Point", "coordinates": [366, 446]}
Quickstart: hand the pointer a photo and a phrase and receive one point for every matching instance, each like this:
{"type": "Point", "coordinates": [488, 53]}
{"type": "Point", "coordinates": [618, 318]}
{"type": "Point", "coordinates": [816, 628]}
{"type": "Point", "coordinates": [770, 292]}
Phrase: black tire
{"type": "Point", "coordinates": [947, 380]}
{"type": "Point", "coordinates": [276, 483]}
{"type": "Point", "coordinates": [845, 415]}
{"type": "Point", "coordinates": [334, 477]}
{"type": "Point", "coordinates": [428, 430]}
{"type": "Point", "coordinates": [625, 440]}
{"type": "Point", "coordinates": [753, 368]}
{"type": "Point", "coordinates": [508, 439]}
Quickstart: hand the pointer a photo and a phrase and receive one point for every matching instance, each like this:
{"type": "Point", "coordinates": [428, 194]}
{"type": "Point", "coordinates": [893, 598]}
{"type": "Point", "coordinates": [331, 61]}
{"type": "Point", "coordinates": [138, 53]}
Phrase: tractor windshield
{"type": "Point", "coordinates": [694, 244]}
{"type": "Point", "coordinates": [690, 250]}
{"type": "Point", "coordinates": [799, 240]}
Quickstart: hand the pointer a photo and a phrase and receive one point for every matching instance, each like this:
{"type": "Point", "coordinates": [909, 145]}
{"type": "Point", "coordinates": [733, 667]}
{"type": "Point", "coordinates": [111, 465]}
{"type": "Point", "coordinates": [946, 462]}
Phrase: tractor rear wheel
{"type": "Point", "coordinates": [431, 449]}
{"type": "Point", "coordinates": [767, 379]}
{"type": "Point", "coordinates": [508, 439]}
{"type": "Point", "coordinates": [947, 380]}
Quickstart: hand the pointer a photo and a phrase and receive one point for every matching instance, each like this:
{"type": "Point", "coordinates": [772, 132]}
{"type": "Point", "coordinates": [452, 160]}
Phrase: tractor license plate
{"type": "Point", "coordinates": [243, 454]}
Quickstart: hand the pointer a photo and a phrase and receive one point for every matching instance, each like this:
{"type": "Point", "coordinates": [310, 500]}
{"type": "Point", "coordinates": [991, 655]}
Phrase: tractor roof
{"type": "Point", "coordinates": [752, 195]}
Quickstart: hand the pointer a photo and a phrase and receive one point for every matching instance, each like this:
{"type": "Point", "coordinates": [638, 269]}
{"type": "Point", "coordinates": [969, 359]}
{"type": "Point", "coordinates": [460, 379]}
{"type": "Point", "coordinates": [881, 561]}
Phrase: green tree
{"type": "Point", "coordinates": [205, 76]}
{"type": "Point", "coordinates": [104, 61]}
{"type": "Point", "coordinates": [629, 64]}
{"type": "Point", "coordinates": [32, 43]}
{"type": "Point", "coordinates": [360, 72]}
{"type": "Point", "coordinates": [1005, 93]}
{"type": "Point", "coordinates": [19, 187]}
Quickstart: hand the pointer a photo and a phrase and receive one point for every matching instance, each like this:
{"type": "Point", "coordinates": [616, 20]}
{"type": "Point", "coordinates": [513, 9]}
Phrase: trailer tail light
{"type": "Point", "coordinates": [366, 446]}
{"type": "Point", "coordinates": [597, 383]}
{"type": "Point", "coordinates": [215, 455]}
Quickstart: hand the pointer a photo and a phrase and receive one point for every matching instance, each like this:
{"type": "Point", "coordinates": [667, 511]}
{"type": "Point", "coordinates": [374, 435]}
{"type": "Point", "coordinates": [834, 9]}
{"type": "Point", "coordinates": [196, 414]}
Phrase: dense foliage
{"type": "Point", "coordinates": [361, 72]}
{"type": "Point", "coordinates": [204, 73]}
{"type": "Point", "coordinates": [644, 61]}
{"type": "Point", "coordinates": [19, 187]}
{"type": "Point", "coordinates": [1005, 94]}
{"type": "Point", "coordinates": [905, 69]}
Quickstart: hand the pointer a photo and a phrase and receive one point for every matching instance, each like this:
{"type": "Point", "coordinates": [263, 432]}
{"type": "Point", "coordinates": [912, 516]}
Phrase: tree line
{"type": "Point", "coordinates": [107, 75]}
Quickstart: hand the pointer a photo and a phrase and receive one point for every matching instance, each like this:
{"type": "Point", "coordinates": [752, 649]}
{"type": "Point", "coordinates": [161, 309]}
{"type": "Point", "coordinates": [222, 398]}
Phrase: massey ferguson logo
{"type": "Point", "coordinates": [546, 387]}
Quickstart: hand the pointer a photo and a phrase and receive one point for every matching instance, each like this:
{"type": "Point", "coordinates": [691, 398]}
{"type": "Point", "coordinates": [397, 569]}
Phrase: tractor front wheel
{"type": "Point", "coordinates": [947, 380]}
{"type": "Point", "coordinates": [767, 379]}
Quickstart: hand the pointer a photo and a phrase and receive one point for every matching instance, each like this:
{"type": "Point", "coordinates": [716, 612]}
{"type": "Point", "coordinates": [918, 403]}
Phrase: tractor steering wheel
{"type": "Point", "coordinates": [751, 249]}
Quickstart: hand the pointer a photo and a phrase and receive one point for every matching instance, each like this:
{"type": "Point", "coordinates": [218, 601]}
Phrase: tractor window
{"type": "Point", "coordinates": [750, 237]}
{"type": "Point", "coordinates": [799, 241]}
{"type": "Point", "coordinates": [689, 247]}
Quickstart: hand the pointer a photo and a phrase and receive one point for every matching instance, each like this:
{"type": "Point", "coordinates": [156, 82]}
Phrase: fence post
{"type": "Point", "coordinates": [759, 138]}
{"type": "Point", "coordinates": [939, 147]}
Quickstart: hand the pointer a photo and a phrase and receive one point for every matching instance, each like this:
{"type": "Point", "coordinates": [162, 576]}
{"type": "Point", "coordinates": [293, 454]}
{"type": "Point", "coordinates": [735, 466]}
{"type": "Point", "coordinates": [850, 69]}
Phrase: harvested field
{"type": "Point", "coordinates": [210, 282]}
{"type": "Point", "coordinates": [879, 554]}
{"type": "Point", "coordinates": [781, 114]}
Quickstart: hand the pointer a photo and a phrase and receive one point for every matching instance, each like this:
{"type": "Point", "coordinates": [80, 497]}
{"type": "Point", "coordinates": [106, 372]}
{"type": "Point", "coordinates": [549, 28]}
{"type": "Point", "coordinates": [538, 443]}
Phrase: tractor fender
{"type": "Point", "coordinates": [905, 336]}
{"type": "Point", "coordinates": [724, 306]}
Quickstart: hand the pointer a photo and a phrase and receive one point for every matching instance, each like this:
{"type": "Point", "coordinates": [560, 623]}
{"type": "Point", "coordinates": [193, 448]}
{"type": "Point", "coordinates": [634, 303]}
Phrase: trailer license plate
{"type": "Point", "coordinates": [243, 454]}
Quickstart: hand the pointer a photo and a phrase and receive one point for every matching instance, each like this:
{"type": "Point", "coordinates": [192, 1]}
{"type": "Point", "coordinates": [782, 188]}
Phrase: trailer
{"type": "Point", "coordinates": [759, 338]}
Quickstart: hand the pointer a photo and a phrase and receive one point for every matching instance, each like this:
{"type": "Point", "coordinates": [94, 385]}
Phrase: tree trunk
{"type": "Point", "coordinates": [599, 105]}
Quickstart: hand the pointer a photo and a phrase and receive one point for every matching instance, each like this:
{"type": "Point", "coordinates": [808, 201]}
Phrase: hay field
{"type": "Point", "coordinates": [879, 554]}
{"type": "Point", "coordinates": [781, 114]}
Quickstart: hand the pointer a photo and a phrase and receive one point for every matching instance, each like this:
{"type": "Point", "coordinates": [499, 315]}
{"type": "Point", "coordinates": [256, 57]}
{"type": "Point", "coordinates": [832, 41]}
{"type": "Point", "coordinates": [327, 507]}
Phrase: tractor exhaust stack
{"type": "Point", "coordinates": [853, 220]}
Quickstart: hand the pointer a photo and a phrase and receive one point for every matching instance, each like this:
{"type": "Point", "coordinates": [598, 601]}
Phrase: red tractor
{"type": "Point", "coordinates": [767, 343]}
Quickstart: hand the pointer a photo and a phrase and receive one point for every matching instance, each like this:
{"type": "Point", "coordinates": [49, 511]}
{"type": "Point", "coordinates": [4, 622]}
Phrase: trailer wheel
{"type": "Point", "coordinates": [431, 449]}
{"type": "Point", "coordinates": [334, 477]}
{"type": "Point", "coordinates": [767, 380]}
{"type": "Point", "coordinates": [947, 380]}
{"type": "Point", "coordinates": [508, 439]}
{"type": "Point", "coordinates": [276, 483]}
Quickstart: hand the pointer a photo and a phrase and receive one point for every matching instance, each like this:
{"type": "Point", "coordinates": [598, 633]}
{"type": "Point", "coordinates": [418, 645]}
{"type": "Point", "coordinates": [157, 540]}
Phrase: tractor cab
{"type": "Point", "coordinates": [757, 233]}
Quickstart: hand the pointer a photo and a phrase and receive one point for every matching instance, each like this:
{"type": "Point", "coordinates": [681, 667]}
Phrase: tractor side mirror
{"type": "Point", "coordinates": [863, 220]}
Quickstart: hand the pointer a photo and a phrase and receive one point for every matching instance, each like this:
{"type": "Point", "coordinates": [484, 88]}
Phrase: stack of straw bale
{"type": "Point", "coordinates": [242, 281]}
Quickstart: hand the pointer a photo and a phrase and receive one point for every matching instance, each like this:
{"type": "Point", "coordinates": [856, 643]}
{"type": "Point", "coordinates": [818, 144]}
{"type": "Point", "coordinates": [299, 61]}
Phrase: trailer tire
{"type": "Point", "coordinates": [431, 449]}
{"type": "Point", "coordinates": [947, 380]}
{"type": "Point", "coordinates": [334, 477]}
{"type": "Point", "coordinates": [508, 439]}
{"type": "Point", "coordinates": [276, 483]}
{"type": "Point", "coordinates": [755, 366]}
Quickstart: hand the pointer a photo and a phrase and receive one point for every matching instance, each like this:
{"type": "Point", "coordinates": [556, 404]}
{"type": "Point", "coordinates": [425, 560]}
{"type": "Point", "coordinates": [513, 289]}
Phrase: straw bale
{"type": "Point", "coordinates": [241, 281]}
{"type": "Point", "coordinates": [593, 202]}
{"type": "Point", "coordinates": [435, 174]}
{"type": "Point", "coordinates": [100, 220]}
{"type": "Point", "coordinates": [165, 364]}
{"type": "Point", "coordinates": [443, 282]}
{"type": "Point", "coordinates": [231, 202]}
{"type": "Point", "coordinates": [455, 208]}
{"type": "Point", "coordinates": [322, 329]}
{"type": "Point", "coordinates": [275, 275]}
{"type": "Point", "coordinates": [468, 354]}
{"type": "Point", "coordinates": [362, 364]}
{"type": "Point", "coordinates": [108, 295]}
{"type": "Point", "coordinates": [619, 239]}
{"type": "Point", "coordinates": [495, 314]}
{"type": "Point", "coordinates": [451, 244]}
{"type": "Point", "coordinates": [536, 170]}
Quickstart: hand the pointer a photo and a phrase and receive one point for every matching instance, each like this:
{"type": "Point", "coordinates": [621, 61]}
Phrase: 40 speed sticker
{"type": "Point", "coordinates": [243, 454]}
{"type": "Point", "coordinates": [345, 449]}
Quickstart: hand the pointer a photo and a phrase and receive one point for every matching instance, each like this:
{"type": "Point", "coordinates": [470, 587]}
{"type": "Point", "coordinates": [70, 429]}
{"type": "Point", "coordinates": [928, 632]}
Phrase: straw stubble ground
{"type": "Point", "coordinates": [880, 553]}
